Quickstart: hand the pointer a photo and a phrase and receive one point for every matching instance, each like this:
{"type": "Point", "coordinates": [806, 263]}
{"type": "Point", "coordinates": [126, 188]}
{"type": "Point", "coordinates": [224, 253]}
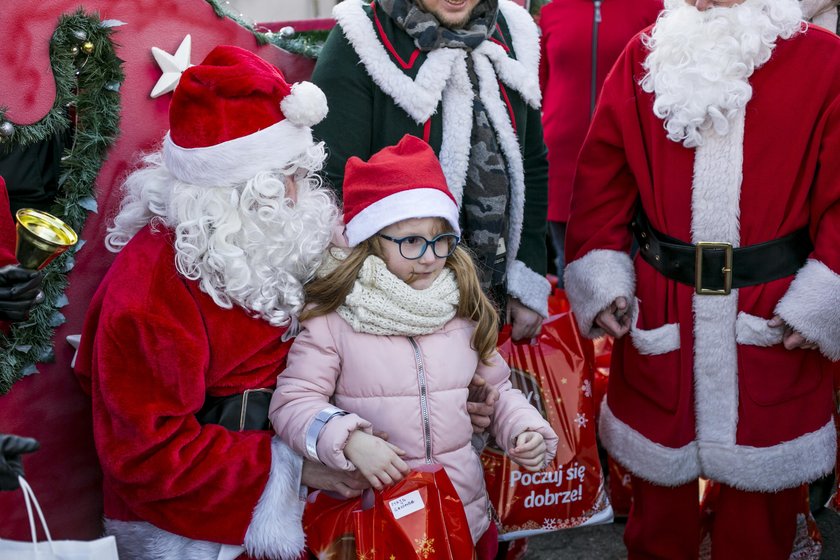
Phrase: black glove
{"type": "Point", "coordinates": [19, 291]}
{"type": "Point", "coordinates": [11, 462]}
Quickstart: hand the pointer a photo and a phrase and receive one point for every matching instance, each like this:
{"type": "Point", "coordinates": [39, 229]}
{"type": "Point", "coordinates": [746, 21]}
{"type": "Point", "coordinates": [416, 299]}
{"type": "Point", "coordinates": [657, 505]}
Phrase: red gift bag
{"type": "Point", "coordinates": [420, 517]}
{"type": "Point", "coordinates": [557, 376]}
{"type": "Point", "coordinates": [328, 525]}
{"type": "Point", "coordinates": [618, 478]}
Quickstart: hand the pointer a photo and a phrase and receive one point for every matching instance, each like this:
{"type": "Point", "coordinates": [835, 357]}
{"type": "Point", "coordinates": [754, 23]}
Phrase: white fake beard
{"type": "Point", "coordinates": [246, 245]}
{"type": "Point", "coordinates": [700, 62]}
{"type": "Point", "coordinates": [256, 249]}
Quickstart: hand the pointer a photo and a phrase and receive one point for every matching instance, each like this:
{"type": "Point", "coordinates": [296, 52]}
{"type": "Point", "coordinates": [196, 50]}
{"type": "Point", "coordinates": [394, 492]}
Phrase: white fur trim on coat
{"type": "Point", "coordinates": [812, 307]}
{"type": "Point", "coordinates": [661, 465]}
{"type": "Point", "coordinates": [530, 288]}
{"type": "Point", "coordinates": [756, 469]}
{"type": "Point", "coordinates": [237, 160]}
{"type": "Point", "coordinates": [653, 342]}
{"type": "Point", "coordinates": [774, 468]}
{"type": "Point", "coordinates": [137, 540]}
{"type": "Point", "coordinates": [754, 331]}
{"type": "Point", "coordinates": [520, 73]}
{"type": "Point", "coordinates": [275, 530]}
{"type": "Point", "coordinates": [715, 204]}
{"type": "Point", "coordinates": [420, 97]}
{"type": "Point", "coordinates": [457, 125]}
{"type": "Point", "coordinates": [594, 281]}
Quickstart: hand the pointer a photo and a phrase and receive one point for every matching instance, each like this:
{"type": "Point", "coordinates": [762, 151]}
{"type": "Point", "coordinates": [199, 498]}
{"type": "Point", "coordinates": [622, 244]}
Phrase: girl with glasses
{"type": "Point", "coordinates": [392, 335]}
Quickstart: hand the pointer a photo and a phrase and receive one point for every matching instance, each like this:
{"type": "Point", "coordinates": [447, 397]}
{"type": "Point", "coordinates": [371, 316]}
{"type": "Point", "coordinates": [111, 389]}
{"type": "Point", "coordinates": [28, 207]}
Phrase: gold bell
{"type": "Point", "coordinates": [41, 237]}
{"type": "Point", "coordinates": [87, 47]}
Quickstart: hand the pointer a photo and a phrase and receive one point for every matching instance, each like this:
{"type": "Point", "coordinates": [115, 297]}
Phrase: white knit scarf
{"type": "Point", "coordinates": [382, 304]}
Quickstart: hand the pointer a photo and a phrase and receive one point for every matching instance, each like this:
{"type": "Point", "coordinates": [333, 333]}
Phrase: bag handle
{"type": "Point", "coordinates": [29, 498]}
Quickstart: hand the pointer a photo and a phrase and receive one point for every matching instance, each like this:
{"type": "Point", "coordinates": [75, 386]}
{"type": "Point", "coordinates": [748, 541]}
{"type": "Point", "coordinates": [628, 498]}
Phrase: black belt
{"type": "Point", "coordinates": [715, 268]}
{"type": "Point", "coordinates": [242, 411]}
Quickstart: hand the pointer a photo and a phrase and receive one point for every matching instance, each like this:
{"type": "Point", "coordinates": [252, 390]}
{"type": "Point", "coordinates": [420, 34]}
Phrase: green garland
{"type": "Point", "coordinates": [88, 76]}
{"type": "Point", "coordinates": [308, 44]}
{"type": "Point", "coordinates": [536, 5]}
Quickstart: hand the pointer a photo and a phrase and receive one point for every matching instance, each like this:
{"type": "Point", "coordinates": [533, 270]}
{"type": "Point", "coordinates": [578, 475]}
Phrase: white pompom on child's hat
{"type": "Point", "coordinates": [397, 183]}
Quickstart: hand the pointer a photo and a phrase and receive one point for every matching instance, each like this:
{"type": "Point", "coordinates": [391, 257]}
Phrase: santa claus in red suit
{"type": "Point", "coordinates": [218, 231]}
{"type": "Point", "coordinates": [713, 150]}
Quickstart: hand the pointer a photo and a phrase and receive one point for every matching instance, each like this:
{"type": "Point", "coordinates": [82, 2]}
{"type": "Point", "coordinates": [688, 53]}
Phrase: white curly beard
{"type": "Point", "coordinates": [247, 245]}
{"type": "Point", "coordinates": [700, 62]}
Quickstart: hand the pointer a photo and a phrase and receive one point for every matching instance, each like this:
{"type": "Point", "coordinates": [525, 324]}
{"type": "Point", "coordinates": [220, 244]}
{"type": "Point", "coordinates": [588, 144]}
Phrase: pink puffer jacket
{"type": "Point", "coordinates": [412, 388]}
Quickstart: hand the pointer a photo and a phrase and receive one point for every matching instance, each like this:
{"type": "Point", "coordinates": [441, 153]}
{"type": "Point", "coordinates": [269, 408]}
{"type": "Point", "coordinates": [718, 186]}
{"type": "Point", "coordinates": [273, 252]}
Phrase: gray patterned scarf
{"type": "Point", "coordinates": [484, 208]}
{"type": "Point", "coordinates": [429, 34]}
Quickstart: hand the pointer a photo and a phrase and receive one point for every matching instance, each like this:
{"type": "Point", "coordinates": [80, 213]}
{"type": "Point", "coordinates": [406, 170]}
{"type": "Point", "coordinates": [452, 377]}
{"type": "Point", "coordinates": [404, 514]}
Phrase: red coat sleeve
{"type": "Point", "coordinates": [605, 192]}
{"type": "Point", "coordinates": [812, 302]}
{"type": "Point", "coordinates": [7, 228]}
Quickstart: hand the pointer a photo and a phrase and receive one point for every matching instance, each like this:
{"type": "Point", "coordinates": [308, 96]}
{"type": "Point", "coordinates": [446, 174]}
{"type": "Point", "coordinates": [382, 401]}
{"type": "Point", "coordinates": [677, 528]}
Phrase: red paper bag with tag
{"type": "Point", "coordinates": [557, 376]}
{"type": "Point", "coordinates": [420, 517]}
{"type": "Point", "coordinates": [328, 525]}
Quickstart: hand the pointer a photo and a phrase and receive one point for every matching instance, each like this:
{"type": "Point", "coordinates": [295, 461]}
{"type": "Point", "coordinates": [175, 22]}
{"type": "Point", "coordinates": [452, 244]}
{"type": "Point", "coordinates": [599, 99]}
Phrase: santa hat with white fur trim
{"type": "Point", "coordinates": [397, 183]}
{"type": "Point", "coordinates": [234, 115]}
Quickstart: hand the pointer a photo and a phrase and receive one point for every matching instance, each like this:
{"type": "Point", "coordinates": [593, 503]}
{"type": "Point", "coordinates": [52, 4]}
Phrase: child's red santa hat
{"type": "Point", "coordinates": [397, 183]}
{"type": "Point", "coordinates": [234, 115]}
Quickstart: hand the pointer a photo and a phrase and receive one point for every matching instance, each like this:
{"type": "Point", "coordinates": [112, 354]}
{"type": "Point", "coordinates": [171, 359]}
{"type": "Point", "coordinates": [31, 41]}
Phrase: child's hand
{"type": "Point", "coordinates": [378, 460]}
{"type": "Point", "coordinates": [529, 451]}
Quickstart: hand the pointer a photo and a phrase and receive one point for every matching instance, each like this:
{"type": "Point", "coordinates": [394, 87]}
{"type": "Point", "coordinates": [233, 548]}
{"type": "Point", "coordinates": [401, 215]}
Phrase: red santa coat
{"type": "Point", "coordinates": [8, 236]}
{"type": "Point", "coordinates": [702, 386]}
{"type": "Point", "coordinates": [153, 346]}
{"type": "Point", "coordinates": [566, 74]}
{"type": "Point", "coordinates": [7, 228]}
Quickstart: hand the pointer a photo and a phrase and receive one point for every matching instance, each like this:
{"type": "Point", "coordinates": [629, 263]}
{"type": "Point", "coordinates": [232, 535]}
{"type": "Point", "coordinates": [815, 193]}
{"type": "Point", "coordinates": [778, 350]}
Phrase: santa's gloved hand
{"type": "Point", "coordinates": [20, 289]}
{"type": "Point", "coordinates": [11, 462]}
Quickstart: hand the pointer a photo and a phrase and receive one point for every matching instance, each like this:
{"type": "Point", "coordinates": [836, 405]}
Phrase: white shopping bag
{"type": "Point", "coordinates": [100, 549]}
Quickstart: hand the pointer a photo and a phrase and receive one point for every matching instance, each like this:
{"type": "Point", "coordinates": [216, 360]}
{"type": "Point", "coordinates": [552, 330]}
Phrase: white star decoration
{"type": "Point", "coordinates": [172, 65]}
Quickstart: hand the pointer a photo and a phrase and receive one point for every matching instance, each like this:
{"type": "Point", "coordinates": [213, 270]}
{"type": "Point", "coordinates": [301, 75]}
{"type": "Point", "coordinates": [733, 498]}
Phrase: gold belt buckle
{"type": "Point", "coordinates": [726, 270]}
{"type": "Point", "coordinates": [244, 410]}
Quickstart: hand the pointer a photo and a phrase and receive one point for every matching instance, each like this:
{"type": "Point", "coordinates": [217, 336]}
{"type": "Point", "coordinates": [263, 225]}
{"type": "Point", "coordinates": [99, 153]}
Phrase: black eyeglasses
{"type": "Point", "coordinates": [412, 247]}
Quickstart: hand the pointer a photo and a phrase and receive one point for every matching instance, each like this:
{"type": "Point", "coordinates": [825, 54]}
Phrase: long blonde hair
{"type": "Point", "coordinates": [327, 293]}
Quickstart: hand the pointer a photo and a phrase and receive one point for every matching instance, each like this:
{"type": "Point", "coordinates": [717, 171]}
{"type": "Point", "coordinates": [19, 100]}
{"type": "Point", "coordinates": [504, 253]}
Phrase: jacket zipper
{"type": "Point", "coordinates": [424, 403]}
{"type": "Point", "coordinates": [593, 84]}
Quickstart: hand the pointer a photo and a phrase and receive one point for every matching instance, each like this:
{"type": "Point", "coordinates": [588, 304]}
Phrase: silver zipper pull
{"type": "Point", "coordinates": [598, 11]}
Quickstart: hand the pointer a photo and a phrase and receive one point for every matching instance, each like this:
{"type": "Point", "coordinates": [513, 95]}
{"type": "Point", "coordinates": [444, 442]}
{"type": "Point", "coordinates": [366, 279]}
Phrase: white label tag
{"type": "Point", "coordinates": [406, 504]}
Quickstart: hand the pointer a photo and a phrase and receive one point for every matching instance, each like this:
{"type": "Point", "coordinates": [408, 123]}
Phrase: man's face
{"type": "Point", "coordinates": [451, 13]}
{"type": "Point", "coordinates": [704, 5]}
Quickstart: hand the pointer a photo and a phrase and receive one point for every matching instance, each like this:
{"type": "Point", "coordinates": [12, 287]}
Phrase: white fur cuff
{"type": "Point", "coordinates": [654, 462]}
{"type": "Point", "coordinates": [811, 307]}
{"type": "Point", "coordinates": [275, 530]}
{"type": "Point", "coordinates": [528, 287]}
{"type": "Point", "coordinates": [594, 281]}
